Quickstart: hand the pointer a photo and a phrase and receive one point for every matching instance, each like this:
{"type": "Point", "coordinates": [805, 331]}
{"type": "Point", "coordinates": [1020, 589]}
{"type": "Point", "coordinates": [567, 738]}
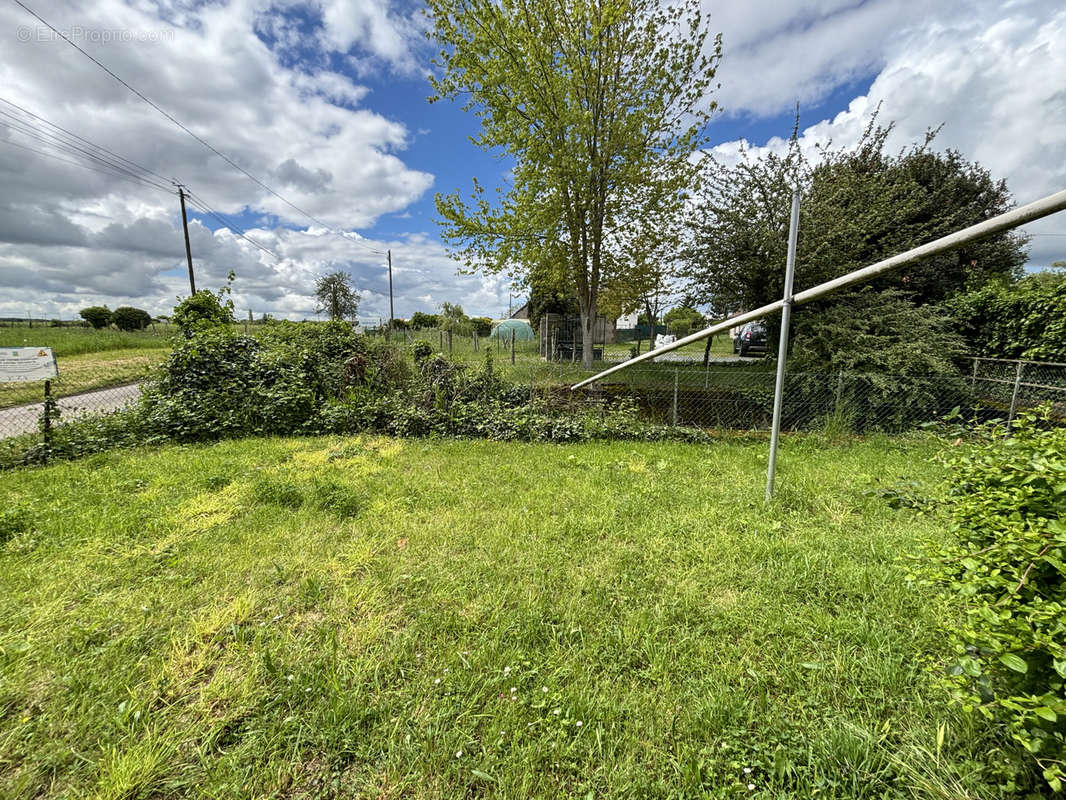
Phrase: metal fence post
{"type": "Point", "coordinates": [475, 341]}
{"type": "Point", "coordinates": [973, 380]}
{"type": "Point", "coordinates": [674, 407]}
{"type": "Point", "coordinates": [782, 347]}
{"type": "Point", "coordinates": [46, 421]}
{"type": "Point", "coordinates": [449, 342]}
{"type": "Point", "coordinates": [512, 346]}
{"type": "Point", "coordinates": [1014, 396]}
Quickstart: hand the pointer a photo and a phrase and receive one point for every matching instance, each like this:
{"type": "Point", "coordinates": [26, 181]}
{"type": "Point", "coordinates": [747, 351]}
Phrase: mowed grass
{"type": "Point", "coordinates": [370, 617]}
{"type": "Point", "coordinates": [87, 359]}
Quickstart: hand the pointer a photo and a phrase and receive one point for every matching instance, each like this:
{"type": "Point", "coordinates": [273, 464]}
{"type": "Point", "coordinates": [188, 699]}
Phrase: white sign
{"type": "Point", "coordinates": [24, 364]}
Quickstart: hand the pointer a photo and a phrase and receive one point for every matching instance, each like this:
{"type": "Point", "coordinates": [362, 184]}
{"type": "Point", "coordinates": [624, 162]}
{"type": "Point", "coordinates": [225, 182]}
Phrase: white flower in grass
{"type": "Point", "coordinates": [435, 682]}
{"type": "Point", "coordinates": [747, 770]}
{"type": "Point", "coordinates": [556, 711]}
{"type": "Point", "coordinates": [514, 689]}
{"type": "Point", "coordinates": [544, 689]}
{"type": "Point", "coordinates": [579, 723]}
{"type": "Point", "coordinates": [751, 787]}
{"type": "Point", "coordinates": [506, 670]}
{"type": "Point", "coordinates": [458, 753]}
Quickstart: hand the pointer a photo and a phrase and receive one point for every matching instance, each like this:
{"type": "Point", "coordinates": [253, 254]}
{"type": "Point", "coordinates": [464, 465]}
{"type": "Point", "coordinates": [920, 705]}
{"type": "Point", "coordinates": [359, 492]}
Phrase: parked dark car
{"type": "Point", "coordinates": [751, 339]}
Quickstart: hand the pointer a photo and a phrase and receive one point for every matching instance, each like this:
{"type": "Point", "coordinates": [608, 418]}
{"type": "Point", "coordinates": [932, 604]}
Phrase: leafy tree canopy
{"type": "Point", "coordinates": [336, 296]}
{"type": "Point", "coordinates": [97, 316]}
{"type": "Point", "coordinates": [683, 320]}
{"type": "Point", "coordinates": [421, 320]}
{"type": "Point", "coordinates": [453, 318]}
{"type": "Point", "coordinates": [127, 318]}
{"type": "Point", "coordinates": [599, 104]}
{"type": "Point", "coordinates": [859, 205]}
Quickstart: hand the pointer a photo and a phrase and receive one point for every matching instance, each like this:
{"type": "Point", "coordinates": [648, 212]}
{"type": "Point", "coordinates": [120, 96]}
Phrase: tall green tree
{"type": "Point", "coordinates": [336, 296]}
{"type": "Point", "coordinates": [453, 318]}
{"type": "Point", "coordinates": [599, 105]}
{"type": "Point", "coordinates": [860, 205]}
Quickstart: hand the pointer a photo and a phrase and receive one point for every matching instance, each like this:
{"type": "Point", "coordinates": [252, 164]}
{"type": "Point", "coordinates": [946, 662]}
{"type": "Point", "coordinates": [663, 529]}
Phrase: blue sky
{"type": "Point", "coordinates": [327, 103]}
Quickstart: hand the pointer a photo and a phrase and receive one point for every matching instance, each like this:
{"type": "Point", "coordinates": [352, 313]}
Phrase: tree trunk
{"type": "Point", "coordinates": [588, 324]}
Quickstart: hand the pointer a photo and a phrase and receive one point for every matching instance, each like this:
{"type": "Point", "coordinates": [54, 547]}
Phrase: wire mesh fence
{"type": "Point", "coordinates": [722, 393]}
{"type": "Point", "coordinates": [85, 387]}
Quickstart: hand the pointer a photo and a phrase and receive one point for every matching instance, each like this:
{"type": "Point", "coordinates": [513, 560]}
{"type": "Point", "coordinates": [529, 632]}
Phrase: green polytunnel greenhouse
{"type": "Point", "coordinates": [522, 331]}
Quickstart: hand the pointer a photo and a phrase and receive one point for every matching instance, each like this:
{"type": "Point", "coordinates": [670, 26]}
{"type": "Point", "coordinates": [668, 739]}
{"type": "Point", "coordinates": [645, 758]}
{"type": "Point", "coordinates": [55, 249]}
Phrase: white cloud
{"type": "Point", "coordinates": [994, 79]}
{"type": "Point", "coordinates": [67, 233]}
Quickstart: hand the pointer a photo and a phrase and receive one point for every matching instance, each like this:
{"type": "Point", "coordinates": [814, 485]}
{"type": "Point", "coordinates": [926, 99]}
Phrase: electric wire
{"type": "Point", "coordinates": [115, 168]}
{"type": "Point", "coordinates": [49, 123]}
{"type": "Point", "coordinates": [51, 140]}
{"type": "Point", "coordinates": [107, 172]}
{"type": "Point", "coordinates": [198, 202]}
{"type": "Point", "coordinates": [178, 123]}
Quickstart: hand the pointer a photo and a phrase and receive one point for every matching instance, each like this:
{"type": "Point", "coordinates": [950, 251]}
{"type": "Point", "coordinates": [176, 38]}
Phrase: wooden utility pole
{"type": "Point", "coordinates": [188, 247]}
{"type": "Point", "coordinates": [392, 311]}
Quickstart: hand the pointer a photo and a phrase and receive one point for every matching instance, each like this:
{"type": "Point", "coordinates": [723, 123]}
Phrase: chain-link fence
{"type": "Point", "coordinates": [724, 393]}
{"type": "Point", "coordinates": [86, 386]}
{"type": "Point", "coordinates": [740, 395]}
{"type": "Point", "coordinates": [1010, 385]}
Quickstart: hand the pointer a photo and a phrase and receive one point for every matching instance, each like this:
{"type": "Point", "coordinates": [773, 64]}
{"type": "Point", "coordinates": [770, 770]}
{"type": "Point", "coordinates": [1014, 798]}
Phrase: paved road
{"type": "Point", "coordinates": [24, 419]}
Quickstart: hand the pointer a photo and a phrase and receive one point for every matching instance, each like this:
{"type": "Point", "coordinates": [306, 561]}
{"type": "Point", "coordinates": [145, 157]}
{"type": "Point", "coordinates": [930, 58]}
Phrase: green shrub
{"type": "Point", "coordinates": [1023, 320]}
{"type": "Point", "coordinates": [128, 318]}
{"type": "Point", "coordinates": [202, 310]}
{"type": "Point", "coordinates": [97, 316]}
{"type": "Point", "coordinates": [885, 361]}
{"type": "Point", "coordinates": [1006, 568]}
{"type": "Point", "coordinates": [421, 351]}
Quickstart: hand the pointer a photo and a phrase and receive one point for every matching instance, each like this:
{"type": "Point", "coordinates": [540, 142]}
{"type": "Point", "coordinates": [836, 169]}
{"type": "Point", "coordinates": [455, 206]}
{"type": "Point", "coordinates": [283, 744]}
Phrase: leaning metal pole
{"type": "Point", "coordinates": [782, 346]}
{"type": "Point", "coordinates": [1011, 219]}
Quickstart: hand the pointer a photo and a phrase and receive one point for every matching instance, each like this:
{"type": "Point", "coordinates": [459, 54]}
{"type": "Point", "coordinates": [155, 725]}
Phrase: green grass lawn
{"type": "Point", "coordinates": [370, 617]}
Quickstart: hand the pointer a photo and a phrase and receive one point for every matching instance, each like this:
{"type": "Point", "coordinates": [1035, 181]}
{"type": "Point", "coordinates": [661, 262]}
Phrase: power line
{"type": "Point", "coordinates": [51, 124]}
{"type": "Point", "coordinates": [174, 120]}
{"type": "Point", "coordinates": [200, 205]}
{"type": "Point", "coordinates": [116, 168]}
{"type": "Point", "coordinates": [109, 173]}
{"type": "Point", "coordinates": [48, 138]}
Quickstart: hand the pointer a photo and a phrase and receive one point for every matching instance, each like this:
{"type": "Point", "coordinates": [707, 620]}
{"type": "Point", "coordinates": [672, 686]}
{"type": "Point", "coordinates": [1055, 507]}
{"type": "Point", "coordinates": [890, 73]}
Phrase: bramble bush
{"type": "Point", "coordinates": [1006, 567]}
{"type": "Point", "coordinates": [1022, 320]}
{"type": "Point", "coordinates": [323, 378]}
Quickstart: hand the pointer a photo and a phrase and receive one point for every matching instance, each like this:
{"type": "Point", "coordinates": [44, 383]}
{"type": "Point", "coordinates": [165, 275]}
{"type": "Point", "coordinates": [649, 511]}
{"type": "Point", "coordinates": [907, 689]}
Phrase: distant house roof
{"type": "Point", "coordinates": [522, 312]}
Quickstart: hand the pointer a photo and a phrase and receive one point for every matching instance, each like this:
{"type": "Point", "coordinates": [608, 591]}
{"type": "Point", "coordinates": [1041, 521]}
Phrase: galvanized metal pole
{"type": "Point", "coordinates": [1003, 222]}
{"type": "Point", "coordinates": [1014, 396]}
{"type": "Point", "coordinates": [782, 346]}
{"type": "Point", "coordinates": [674, 407]}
